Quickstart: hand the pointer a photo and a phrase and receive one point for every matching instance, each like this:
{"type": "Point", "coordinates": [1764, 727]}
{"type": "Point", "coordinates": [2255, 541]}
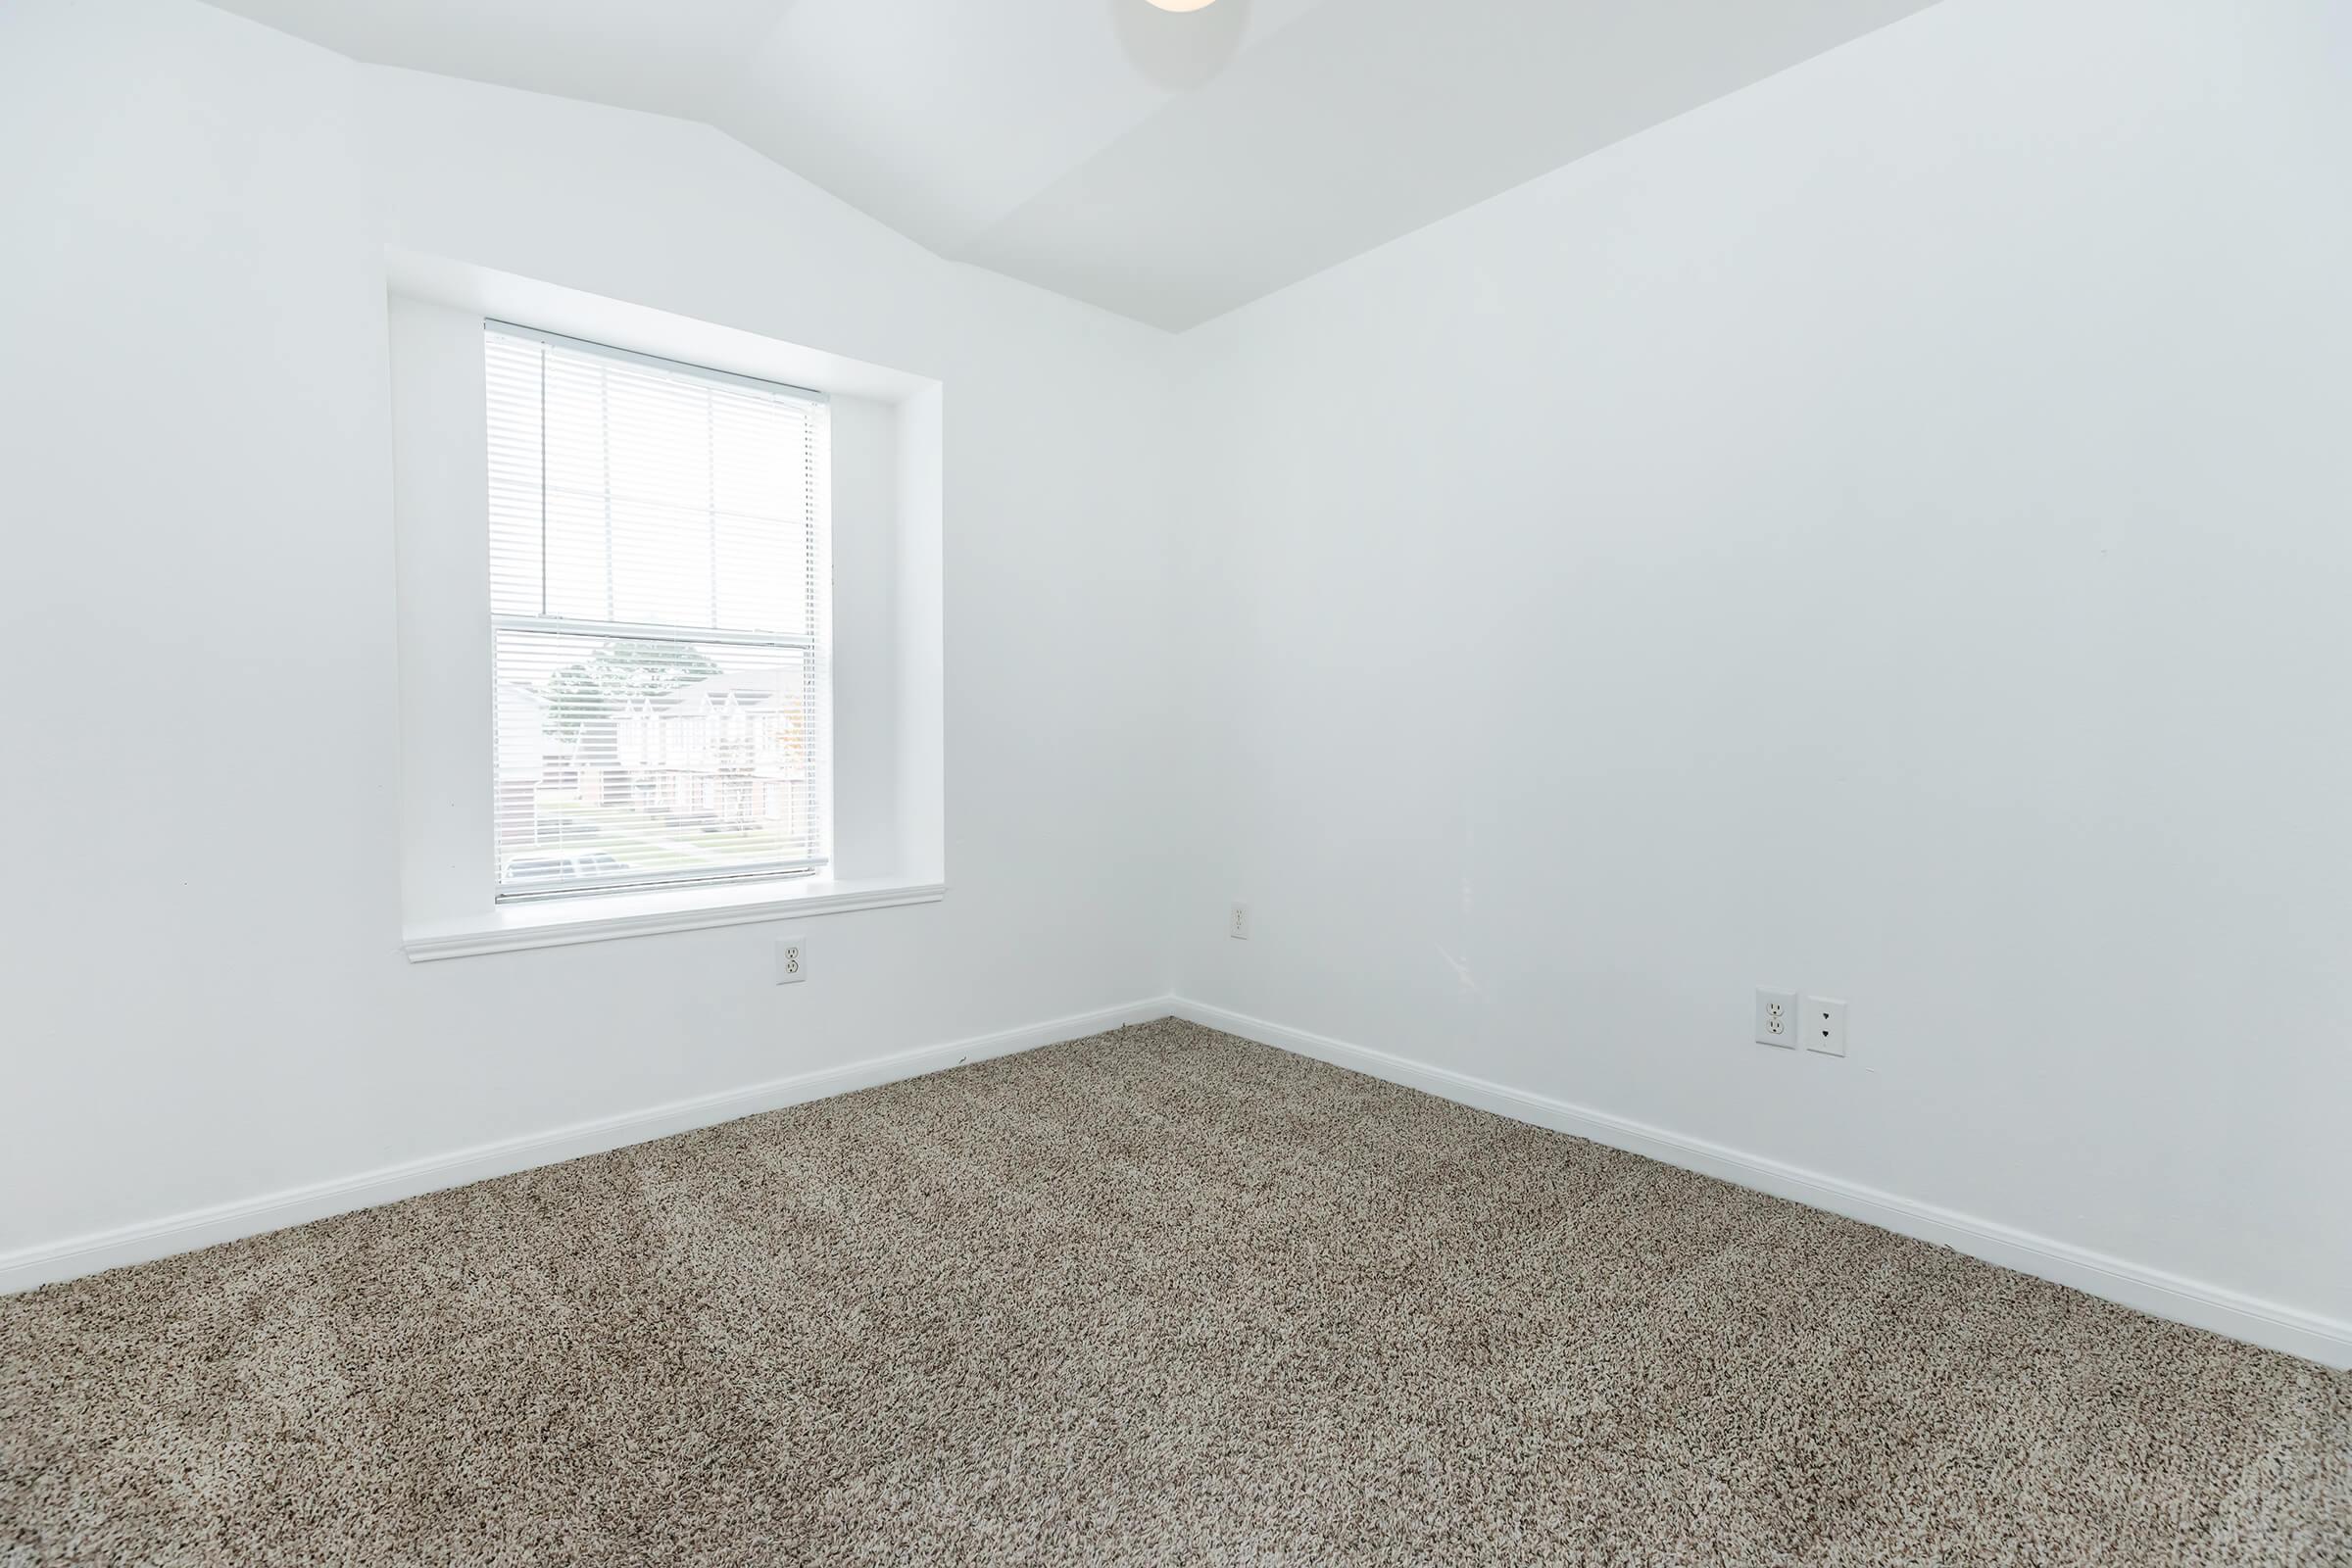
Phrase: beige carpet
{"type": "Point", "coordinates": [1159, 1297]}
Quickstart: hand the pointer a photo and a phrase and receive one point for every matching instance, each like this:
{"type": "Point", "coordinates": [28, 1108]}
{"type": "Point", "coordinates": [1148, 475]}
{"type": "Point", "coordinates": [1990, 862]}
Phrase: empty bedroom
{"type": "Point", "coordinates": [1306, 782]}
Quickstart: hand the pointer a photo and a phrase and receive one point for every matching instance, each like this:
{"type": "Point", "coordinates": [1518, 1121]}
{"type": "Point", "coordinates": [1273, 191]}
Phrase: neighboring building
{"type": "Point", "coordinates": [729, 745]}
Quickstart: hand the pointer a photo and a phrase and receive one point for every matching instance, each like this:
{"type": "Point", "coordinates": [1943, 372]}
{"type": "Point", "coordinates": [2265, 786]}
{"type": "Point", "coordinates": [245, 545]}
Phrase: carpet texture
{"type": "Point", "coordinates": [1157, 1296]}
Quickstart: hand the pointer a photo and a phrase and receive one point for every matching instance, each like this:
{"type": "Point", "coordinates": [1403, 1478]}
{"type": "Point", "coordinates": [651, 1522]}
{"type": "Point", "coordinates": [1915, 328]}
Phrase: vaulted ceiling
{"type": "Point", "coordinates": [1169, 166]}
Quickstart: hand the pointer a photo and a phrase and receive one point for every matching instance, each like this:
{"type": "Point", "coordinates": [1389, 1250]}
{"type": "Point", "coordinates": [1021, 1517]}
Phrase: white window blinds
{"type": "Point", "coordinates": [658, 598]}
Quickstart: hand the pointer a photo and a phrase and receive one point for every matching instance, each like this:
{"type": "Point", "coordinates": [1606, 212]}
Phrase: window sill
{"type": "Point", "coordinates": [561, 922]}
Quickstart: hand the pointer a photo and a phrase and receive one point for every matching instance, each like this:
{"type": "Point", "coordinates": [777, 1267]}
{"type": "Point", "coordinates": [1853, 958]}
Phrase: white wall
{"type": "Point", "coordinates": [207, 998]}
{"type": "Point", "coordinates": [1884, 533]}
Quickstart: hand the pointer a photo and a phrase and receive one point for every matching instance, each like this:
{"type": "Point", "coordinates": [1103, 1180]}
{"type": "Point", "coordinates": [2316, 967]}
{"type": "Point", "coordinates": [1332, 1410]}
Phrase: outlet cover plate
{"type": "Point", "coordinates": [792, 961]}
{"type": "Point", "coordinates": [1775, 1018]}
{"type": "Point", "coordinates": [1825, 1025]}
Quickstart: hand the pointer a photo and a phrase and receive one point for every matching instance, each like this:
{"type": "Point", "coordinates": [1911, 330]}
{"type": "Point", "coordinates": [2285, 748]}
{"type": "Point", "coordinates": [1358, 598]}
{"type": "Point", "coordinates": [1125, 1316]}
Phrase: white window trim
{"type": "Point", "coordinates": [901, 857]}
{"type": "Point", "coordinates": [813, 641]}
{"type": "Point", "coordinates": [698, 906]}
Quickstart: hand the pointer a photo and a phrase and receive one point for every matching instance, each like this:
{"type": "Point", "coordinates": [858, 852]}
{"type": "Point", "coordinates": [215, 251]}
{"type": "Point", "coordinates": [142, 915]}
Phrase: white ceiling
{"type": "Point", "coordinates": [1167, 166]}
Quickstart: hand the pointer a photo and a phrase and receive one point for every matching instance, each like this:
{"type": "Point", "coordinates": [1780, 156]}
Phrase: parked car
{"type": "Point", "coordinates": [594, 866]}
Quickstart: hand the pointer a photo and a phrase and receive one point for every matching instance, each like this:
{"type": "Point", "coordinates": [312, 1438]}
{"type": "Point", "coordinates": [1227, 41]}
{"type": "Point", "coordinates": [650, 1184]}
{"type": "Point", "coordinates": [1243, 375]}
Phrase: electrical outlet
{"type": "Point", "coordinates": [792, 961]}
{"type": "Point", "coordinates": [1825, 1025]}
{"type": "Point", "coordinates": [1775, 1018]}
{"type": "Point", "coordinates": [1237, 927]}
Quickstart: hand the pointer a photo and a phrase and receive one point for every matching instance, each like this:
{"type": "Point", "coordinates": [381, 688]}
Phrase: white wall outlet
{"type": "Point", "coordinates": [1775, 1018]}
{"type": "Point", "coordinates": [1825, 1025]}
{"type": "Point", "coordinates": [792, 961]}
{"type": "Point", "coordinates": [1237, 927]}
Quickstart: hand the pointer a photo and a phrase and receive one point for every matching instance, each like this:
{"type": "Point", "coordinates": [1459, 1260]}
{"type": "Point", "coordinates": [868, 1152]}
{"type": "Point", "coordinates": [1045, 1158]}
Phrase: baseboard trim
{"type": "Point", "coordinates": [187, 1231]}
{"type": "Point", "coordinates": [2152, 1291]}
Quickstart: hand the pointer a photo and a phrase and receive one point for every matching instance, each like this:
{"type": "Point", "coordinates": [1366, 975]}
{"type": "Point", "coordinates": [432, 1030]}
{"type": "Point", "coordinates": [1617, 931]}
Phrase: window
{"type": "Point", "coordinates": [658, 612]}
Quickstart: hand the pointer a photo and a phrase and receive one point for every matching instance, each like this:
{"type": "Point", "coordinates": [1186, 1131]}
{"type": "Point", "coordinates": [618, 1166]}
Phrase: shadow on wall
{"type": "Point", "coordinates": [1179, 49]}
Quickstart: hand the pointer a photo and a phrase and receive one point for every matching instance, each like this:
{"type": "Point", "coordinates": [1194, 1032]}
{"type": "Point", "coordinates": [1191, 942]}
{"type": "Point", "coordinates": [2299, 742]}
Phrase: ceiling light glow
{"type": "Point", "coordinates": [1183, 5]}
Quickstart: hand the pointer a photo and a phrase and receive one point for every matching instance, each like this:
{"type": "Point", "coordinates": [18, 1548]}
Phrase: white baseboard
{"type": "Point", "coordinates": [2148, 1290]}
{"type": "Point", "coordinates": [226, 1222]}
{"type": "Point", "coordinates": [2153, 1291]}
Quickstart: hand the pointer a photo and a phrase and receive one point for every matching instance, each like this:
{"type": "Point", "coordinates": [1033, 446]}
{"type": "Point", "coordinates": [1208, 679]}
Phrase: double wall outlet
{"type": "Point", "coordinates": [792, 961]}
{"type": "Point", "coordinates": [1236, 925]}
{"type": "Point", "coordinates": [1788, 1020]}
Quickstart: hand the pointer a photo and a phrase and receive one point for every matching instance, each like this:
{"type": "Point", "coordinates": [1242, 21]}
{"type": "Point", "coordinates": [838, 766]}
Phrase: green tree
{"type": "Point", "coordinates": [584, 700]}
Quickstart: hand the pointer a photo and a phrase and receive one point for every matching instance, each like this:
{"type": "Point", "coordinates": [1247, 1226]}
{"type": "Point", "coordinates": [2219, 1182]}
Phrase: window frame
{"type": "Point", "coordinates": [812, 645]}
